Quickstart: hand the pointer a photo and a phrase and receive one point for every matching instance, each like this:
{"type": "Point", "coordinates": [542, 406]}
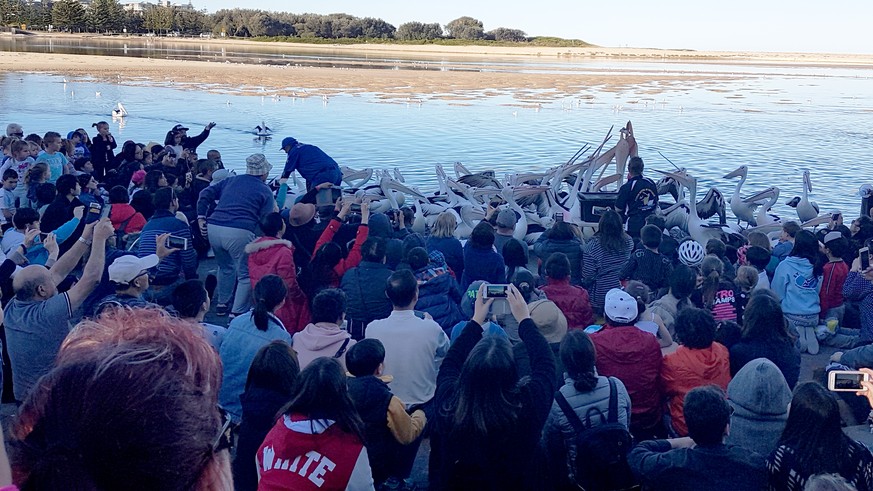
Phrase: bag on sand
{"type": "Point", "coordinates": [601, 450]}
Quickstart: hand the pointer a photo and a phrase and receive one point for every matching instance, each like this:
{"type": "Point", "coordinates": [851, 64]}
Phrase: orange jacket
{"type": "Point", "coordinates": [689, 368]}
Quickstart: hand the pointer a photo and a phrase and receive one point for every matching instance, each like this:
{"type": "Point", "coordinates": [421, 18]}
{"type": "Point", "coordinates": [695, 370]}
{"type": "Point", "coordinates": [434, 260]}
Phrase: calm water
{"type": "Point", "coordinates": [778, 121]}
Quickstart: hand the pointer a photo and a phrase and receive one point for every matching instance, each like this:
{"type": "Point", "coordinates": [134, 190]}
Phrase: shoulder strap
{"type": "Point", "coordinates": [613, 402]}
{"type": "Point", "coordinates": [342, 349]}
{"type": "Point", "coordinates": [571, 415]}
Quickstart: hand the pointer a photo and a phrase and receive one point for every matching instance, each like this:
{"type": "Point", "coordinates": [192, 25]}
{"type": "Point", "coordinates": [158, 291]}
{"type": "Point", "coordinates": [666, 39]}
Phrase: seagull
{"type": "Point", "coordinates": [97, 94]}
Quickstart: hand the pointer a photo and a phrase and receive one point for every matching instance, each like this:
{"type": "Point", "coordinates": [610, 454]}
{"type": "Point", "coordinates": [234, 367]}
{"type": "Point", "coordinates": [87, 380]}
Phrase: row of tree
{"type": "Point", "coordinates": [110, 16]}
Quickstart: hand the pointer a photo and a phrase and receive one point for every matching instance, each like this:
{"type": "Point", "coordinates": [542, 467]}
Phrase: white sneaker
{"type": "Point", "coordinates": [811, 341]}
{"type": "Point", "coordinates": [801, 340]}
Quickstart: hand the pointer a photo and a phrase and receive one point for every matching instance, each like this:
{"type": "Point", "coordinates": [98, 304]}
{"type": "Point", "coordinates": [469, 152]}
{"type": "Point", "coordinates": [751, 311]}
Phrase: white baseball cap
{"type": "Point", "coordinates": [127, 268]}
{"type": "Point", "coordinates": [620, 307]}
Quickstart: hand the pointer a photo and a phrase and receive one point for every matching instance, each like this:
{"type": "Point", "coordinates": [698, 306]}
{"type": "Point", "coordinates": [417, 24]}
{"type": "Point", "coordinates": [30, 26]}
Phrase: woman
{"type": "Point", "coordinates": [698, 361]}
{"type": "Point", "coordinates": [155, 179]}
{"type": "Point", "coordinates": [320, 422]}
{"type": "Point", "coordinates": [515, 258]}
{"type": "Point", "coordinates": [765, 335]}
{"type": "Point", "coordinates": [442, 238]}
{"type": "Point", "coordinates": [245, 335]}
{"type": "Point", "coordinates": [438, 293]}
{"type": "Point", "coordinates": [605, 255]}
{"type": "Point", "coordinates": [488, 422]}
{"type": "Point", "coordinates": [89, 193]}
{"type": "Point", "coordinates": [814, 443]}
{"type": "Point", "coordinates": [583, 390]}
{"type": "Point", "coordinates": [171, 437]}
{"type": "Point", "coordinates": [269, 386]}
{"type": "Point", "coordinates": [796, 283]}
{"type": "Point", "coordinates": [271, 255]}
{"type": "Point", "coordinates": [682, 283]}
{"type": "Point", "coordinates": [328, 265]}
{"type": "Point", "coordinates": [562, 237]}
{"type": "Point", "coordinates": [125, 219]}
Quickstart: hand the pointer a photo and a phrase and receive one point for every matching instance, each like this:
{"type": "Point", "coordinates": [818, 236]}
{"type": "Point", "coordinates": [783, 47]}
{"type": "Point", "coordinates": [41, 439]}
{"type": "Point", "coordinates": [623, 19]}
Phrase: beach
{"type": "Point", "coordinates": [472, 72]}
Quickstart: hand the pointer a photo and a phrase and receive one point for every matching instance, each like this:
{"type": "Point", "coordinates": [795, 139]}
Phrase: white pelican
{"type": "Point", "coordinates": [770, 194]}
{"type": "Point", "coordinates": [699, 230]}
{"type": "Point", "coordinates": [119, 111]}
{"type": "Point", "coordinates": [742, 209]}
{"type": "Point", "coordinates": [806, 209]}
{"type": "Point", "coordinates": [262, 130]}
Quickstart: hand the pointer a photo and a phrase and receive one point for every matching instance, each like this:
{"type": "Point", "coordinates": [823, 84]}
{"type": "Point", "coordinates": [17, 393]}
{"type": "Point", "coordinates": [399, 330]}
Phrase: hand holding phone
{"type": "Point", "coordinates": [865, 258]}
{"type": "Point", "coordinates": [847, 380]}
{"type": "Point", "coordinates": [496, 291]}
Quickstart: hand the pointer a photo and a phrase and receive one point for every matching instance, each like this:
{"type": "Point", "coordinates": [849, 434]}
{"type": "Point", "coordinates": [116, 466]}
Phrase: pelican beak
{"type": "Point", "coordinates": [806, 181]}
{"type": "Point", "coordinates": [763, 195]}
{"type": "Point", "coordinates": [737, 173]}
{"type": "Point", "coordinates": [522, 191]}
{"type": "Point", "coordinates": [403, 188]}
{"type": "Point", "coordinates": [681, 178]}
{"type": "Point", "coordinates": [815, 222]}
{"type": "Point", "coordinates": [793, 203]}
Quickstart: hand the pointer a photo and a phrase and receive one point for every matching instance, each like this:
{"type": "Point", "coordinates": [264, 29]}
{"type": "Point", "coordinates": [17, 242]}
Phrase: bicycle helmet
{"type": "Point", "coordinates": [691, 253]}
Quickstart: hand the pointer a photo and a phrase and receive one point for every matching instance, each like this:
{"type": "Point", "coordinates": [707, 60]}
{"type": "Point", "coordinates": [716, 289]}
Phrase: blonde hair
{"type": "Point", "coordinates": [747, 278]}
{"type": "Point", "coordinates": [445, 226]}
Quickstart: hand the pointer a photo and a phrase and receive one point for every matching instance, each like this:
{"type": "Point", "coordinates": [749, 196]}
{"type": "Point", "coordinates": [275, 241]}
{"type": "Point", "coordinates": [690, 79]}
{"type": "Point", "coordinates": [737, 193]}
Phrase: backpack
{"type": "Point", "coordinates": [601, 451]}
{"type": "Point", "coordinates": [122, 238]}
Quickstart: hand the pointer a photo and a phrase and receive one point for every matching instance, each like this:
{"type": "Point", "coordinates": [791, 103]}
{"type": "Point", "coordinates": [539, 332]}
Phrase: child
{"type": "Point", "coordinates": [796, 283]}
{"type": "Point", "coordinates": [52, 156]}
{"type": "Point", "coordinates": [7, 197]}
{"type": "Point", "coordinates": [391, 435]}
{"type": "Point", "coordinates": [719, 293]}
{"type": "Point", "coordinates": [746, 281]}
{"type": "Point", "coordinates": [718, 249]}
{"type": "Point", "coordinates": [759, 258]}
{"type": "Point", "coordinates": [833, 278]}
{"type": "Point", "coordinates": [649, 321]}
{"type": "Point", "coordinates": [647, 264]}
{"type": "Point", "coordinates": [20, 162]}
{"type": "Point", "coordinates": [786, 240]}
{"type": "Point", "coordinates": [573, 300]}
{"type": "Point", "coordinates": [35, 176]}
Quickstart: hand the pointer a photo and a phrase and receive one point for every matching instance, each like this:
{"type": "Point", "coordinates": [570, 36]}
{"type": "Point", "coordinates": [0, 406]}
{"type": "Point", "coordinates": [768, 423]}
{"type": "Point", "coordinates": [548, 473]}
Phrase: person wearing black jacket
{"type": "Point", "coordinates": [102, 146]}
{"type": "Point", "coordinates": [488, 422]}
{"type": "Point", "coordinates": [191, 142]}
{"type": "Point", "coordinates": [637, 198]}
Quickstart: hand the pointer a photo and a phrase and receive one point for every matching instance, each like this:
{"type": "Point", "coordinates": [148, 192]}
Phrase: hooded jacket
{"type": "Point", "coordinates": [688, 368]}
{"type": "Point", "coordinates": [364, 286]}
{"type": "Point", "coordinates": [572, 300]}
{"type": "Point", "coordinates": [119, 212]}
{"type": "Point", "coordinates": [760, 396]}
{"type": "Point", "coordinates": [321, 339]}
{"type": "Point", "coordinates": [269, 255]}
{"type": "Point", "coordinates": [797, 286]}
{"type": "Point", "coordinates": [440, 297]}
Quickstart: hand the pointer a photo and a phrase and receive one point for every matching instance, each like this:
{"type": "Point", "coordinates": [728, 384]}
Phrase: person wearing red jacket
{"type": "Point", "coordinates": [833, 278]}
{"type": "Point", "coordinates": [354, 256]}
{"type": "Point", "coordinates": [271, 255]}
{"type": "Point", "coordinates": [634, 357]}
{"type": "Point", "coordinates": [121, 212]}
{"type": "Point", "coordinates": [573, 300]}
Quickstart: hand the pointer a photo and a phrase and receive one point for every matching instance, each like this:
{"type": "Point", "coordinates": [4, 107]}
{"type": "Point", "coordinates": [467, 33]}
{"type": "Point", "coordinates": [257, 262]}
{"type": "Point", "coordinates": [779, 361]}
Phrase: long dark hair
{"type": "Point", "coordinates": [269, 293]}
{"type": "Point", "coordinates": [560, 231]}
{"type": "Point", "coordinates": [489, 398]}
{"type": "Point", "coordinates": [319, 273]}
{"type": "Point", "coordinates": [806, 247]}
{"type": "Point", "coordinates": [682, 282]}
{"type": "Point", "coordinates": [274, 367]}
{"type": "Point", "coordinates": [320, 394]}
{"type": "Point", "coordinates": [813, 430]}
{"type": "Point", "coordinates": [763, 319]}
{"type": "Point", "coordinates": [712, 269]}
{"type": "Point", "coordinates": [611, 232]}
{"type": "Point", "coordinates": [579, 356]}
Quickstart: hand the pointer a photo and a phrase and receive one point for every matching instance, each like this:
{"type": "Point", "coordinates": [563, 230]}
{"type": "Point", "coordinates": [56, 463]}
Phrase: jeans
{"type": "Point", "coordinates": [233, 267]}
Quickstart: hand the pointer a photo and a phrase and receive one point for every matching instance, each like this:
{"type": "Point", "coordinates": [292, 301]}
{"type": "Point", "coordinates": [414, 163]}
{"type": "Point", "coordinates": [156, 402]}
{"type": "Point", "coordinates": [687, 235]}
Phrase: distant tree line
{"type": "Point", "coordinates": [110, 16]}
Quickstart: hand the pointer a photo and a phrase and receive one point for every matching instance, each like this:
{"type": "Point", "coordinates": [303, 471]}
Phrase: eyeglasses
{"type": "Point", "coordinates": [19, 135]}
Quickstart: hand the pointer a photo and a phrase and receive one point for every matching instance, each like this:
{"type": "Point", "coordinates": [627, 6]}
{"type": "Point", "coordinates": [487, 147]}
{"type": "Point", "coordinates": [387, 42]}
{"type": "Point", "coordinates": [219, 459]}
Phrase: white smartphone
{"type": "Point", "coordinates": [496, 291]}
{"type": "Point", "coordinates": [846, 380]}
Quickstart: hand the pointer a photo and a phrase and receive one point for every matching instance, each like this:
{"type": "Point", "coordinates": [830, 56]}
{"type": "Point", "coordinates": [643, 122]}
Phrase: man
{"type": "Point", "coordinates": [700, 461]}
{"type": "Point", "coordinates": [311, 162]}
{"type": "Point", "coordinates": [60, 210]}
{"type": "Point", "coordinates": [191, 142]}
{"type": "Point", "coordinates": [52, 156]}
{"type": "Point", "coordinates": [637, 198]}
{"type": "Point", "coordinates": [191, 301]}
{"type": "Point", "coordinates": [506, 221]}
{"type": "Point", "coordinates": [414, 347]}
{"type": "Point", "coordinates": [179, 266]}
{"type": "Point", "coordinates": [130, 275]}
{"type": "Point", "coordinates": [14, 129]}
{"type": "Point", "coordinates": [323, 337]}
{"type": "Point", "coordinates": [242, 201]}
{"type": "Point", "coordinates": [38, 319]}
{"type": "Point", "coordinates": [215, 157]}
{"type": "Point", "coordinates": [365, 285]}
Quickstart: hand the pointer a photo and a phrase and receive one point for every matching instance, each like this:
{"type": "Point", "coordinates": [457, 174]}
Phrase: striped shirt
{"type": "Point", "coordinates": [601, 269]}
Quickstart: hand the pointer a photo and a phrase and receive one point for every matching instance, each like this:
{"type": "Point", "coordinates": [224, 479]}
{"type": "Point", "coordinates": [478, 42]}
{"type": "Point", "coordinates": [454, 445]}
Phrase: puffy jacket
{"type": "Point", "coordinates": [119, 212]}
{"type": "Point", "coordinates": [783, 354]}
{"type": "Point", "coordinates": [482, 264]}
{"type": "Point", "coordinates": [572, 300]}
{"type": "Point", "coordinates": [634, 357]}
{"type": "Point", "coordinates": [364, 287]}
{"type": "Point", "coordinates": [452, 250]}
{"type": "Point", "coordinates": [688, 368]}
{"type": "Point", "coordinates": [269, 255]}
{"type": "Point", "coordinates": [545, 247]}
{"type": "Point", "coordinates": [440, 297]}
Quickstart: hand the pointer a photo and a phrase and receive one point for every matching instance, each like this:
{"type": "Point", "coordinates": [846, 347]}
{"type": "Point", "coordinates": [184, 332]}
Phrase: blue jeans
{"type": "Point", "coordinates": [229, 244]}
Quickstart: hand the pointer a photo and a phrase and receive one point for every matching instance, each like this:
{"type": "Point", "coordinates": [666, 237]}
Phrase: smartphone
{"type": "Point", "coordinates": [94, 211]}
{"type": "Point", "coordinates": [865, 258]}
{"type": "Point", "coordinates": [105, 212]}
{"type": "Point", "coordinates": [559, 217]}
{"type": "Point", "coordinates": [174, 242]}
{"type": "Point", "coordinates": [496, 291]}
{"type": "Point", "coordinates": [835, 216]}
{"type": "Point", "coordinates": [846, 380]}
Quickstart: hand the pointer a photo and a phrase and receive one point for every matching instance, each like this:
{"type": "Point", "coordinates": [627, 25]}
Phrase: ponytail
{"type": "Point", "coordinates": [269, 293]}
{"type": "Point", "coordinates": [712, 268]}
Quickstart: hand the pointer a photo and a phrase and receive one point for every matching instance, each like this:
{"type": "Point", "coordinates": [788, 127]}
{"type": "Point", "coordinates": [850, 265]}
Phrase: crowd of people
{"type": "Point", "coordinates": [636, 357]}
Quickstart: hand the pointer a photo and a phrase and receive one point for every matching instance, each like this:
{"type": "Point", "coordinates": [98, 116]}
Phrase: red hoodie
{"type": "Point", "coordinates": [831, 293]}
{"type": "Point", "coordinates": [269, 255]}
{"type": "Point", "coordinates": [304, 455]}
{"type": "Point", "coordinates": [119, 212]}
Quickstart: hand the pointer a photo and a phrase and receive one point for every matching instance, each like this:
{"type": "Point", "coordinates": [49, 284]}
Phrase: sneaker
{"type": "Point", "coordinates": [801, 340]}
{"type": "Point", "coordinates": [811, 341]}
{"type": "Point", "coordinates": [221, 309]}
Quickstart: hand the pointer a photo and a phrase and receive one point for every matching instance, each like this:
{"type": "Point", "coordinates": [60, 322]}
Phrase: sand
{"type": "Point", "coordinates": [474, 72]}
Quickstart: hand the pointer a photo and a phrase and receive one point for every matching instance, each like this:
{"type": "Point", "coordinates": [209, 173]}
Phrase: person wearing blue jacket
{"type": "Point", "coordinates": [481, 261]}
{"type": "Point", "coordinates": [311, 162]}
{"type": "Point", "coordinates": [242, 201]}
{"type": "Point", "coordinates": [796, 283]}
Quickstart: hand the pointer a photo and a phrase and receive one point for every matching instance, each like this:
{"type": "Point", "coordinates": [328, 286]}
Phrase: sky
{"type": "Point", "coordinates": [732, 25]}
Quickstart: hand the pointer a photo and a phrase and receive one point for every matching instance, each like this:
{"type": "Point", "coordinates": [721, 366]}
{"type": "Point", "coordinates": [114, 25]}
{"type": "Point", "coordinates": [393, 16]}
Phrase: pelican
{"type": "Point", "coordinates": [741, 208]}
{"type": "Point", "coordinates": [119, 111]}
{"type": "Point", "coordinates": [356, 178]}
{"type": "Point", "coordinates": [699, 230]}
{"type": "Point", "coordinates": [806, 209]}
{"type": "Point", "coordinates": [770, 194]}
{"type": "Point", "coordinates": [262, 130]}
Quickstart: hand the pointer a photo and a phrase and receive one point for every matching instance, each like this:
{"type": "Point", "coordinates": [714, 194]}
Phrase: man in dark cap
{"type": "Point", "coordinates": [311, 162]}
{"type": "Point", "coordinates": [191, 142]}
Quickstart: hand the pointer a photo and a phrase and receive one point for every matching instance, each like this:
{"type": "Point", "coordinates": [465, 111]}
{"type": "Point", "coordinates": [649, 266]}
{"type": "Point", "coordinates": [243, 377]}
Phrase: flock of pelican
{"type": "Point", "coordinates": [578, 190]}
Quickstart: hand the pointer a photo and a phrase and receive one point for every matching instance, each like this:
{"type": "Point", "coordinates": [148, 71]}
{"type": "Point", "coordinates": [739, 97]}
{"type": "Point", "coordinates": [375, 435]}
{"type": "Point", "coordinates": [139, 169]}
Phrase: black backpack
{"type": "Point", "coordinates": [601, 451]}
